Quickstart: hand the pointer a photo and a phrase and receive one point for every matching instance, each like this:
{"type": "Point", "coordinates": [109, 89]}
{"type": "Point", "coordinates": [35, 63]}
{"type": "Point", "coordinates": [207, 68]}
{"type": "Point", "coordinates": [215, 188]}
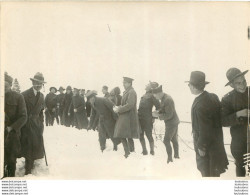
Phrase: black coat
{"type": "Point", "coordinates": [167, 111]}
{"type": "Point", "coordinates": [207, 131]}
{"type": "Point", "coordinates": [32, 131]}
{"type": "Point", "coordinates": [102, 111]}
{"type": "Point", "coordinates": [67, 120]}
{"type": "Point", "coordinates": [231, 103]}
{"type": "Point", "coordinates": [80, 116]}
{"type": "Point", "coordinates": [60, 103]}
{"type": "Point", "coordinates": [145, 110]}
{"type": "Point", "coordinates": [15, 117]}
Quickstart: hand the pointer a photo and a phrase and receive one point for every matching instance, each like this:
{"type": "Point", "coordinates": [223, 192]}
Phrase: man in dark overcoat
{"type": "Point", "coordinates": [15, 117]}
{"type": "Point", "coordinates": [67, 119]}
{"type": "Point", "coordinates": [50, 107]}
{"type": "Point", "coordinates": [235, 114]}
{"type": "Point", "coordinates": [127, 126]}
{"type": "Point", "coordinates": [168, 113]}
{"type": "Point", "coordinates": [207, 131]}
{"type": "Point", "coordinates": [145, 116]}
{"type": "Point", "coordinates": [102, 111]}
{"type": "Point", "coordinates": [78, 107]}
{"type": "Point", "coordinates": [32, 132]}
{"type": "Point", "coordinates": [60, 103]}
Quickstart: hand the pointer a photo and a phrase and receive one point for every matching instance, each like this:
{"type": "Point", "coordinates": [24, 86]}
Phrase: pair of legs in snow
{"type": "Point", "coordinates": [171, 135]}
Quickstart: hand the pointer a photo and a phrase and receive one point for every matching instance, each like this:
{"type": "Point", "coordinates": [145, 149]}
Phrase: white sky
{"type": "Point", "coordinates": [71, 44]}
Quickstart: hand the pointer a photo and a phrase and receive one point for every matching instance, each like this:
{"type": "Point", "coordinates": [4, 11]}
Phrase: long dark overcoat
{"type": "Point", "coordinates": [32, 132]}
{"type": "Point", "coordinates": [208, 134]}
{"type": "Point", "coordinates": [67, 119]}
{"type": "Point", "coordinates": [15, 117]}
{"type": "Point", "coordinates": [81, 120]}
{"type": "Point", "coordinates": [127, 125]}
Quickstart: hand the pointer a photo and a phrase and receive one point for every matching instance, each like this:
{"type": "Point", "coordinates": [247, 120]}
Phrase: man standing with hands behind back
{"type": "Point", "coordinates": [235, 114]}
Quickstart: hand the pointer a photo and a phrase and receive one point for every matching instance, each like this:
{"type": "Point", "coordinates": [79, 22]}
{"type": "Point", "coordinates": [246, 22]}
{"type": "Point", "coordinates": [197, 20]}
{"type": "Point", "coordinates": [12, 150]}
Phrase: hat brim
{"type": "Point", "coordinates": [206, 82]}
{"type": "Point", "coordinates": [32, 79]}
{"type": "Point", "coordinates": [236, 76]}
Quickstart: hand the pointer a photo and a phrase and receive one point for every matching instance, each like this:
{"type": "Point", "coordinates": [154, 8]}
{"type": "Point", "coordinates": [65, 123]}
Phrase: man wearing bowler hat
{"type": "Point", "coordinates": [235, 114]}
{"type": "Point", "coordinates": [32, 132]}
{"type": "Point", "coordinates": [59, 103]}
{"type": "Point", "coordinates": [127, 125]}
{"type": "Point", "coordinates": [15, 114]}
{"type": "Point", "coordinates": [207, 131]}
{"type": "Point", "coordinates": [50, 106]}
{"type": "Point", "coordinates": [168, 113]}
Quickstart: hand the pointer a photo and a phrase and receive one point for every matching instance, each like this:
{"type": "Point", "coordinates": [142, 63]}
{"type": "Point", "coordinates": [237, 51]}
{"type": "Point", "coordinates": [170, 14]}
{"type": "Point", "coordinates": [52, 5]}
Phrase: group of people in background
{"type": "Point", "coordinates": [116, 117]}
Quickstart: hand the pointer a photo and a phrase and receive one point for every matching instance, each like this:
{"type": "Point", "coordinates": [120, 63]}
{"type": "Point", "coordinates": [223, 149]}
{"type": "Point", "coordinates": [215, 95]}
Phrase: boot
{"type": "Point", "coordinates": [170, 159]}
{"type": "Point", "coordinates": [152, 152]}
{"type": "Point", "coordinates": [126, 149]}
{"type": "Point", "coordinates": [28, 166]}
{"type": "Point", "coordinates": [144, 149]}
{"type": "Point", "coordinates": [115, 147]}
{"type": "Point", "coordinates": [131, 145]}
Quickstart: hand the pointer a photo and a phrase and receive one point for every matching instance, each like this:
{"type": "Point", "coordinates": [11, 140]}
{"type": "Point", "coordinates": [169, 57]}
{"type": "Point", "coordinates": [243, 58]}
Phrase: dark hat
{"type": "Point", "coordinates": [38, 77]}
{"type": "Point", "coordinates": [197, 79]}
{"type": "Point", "coordinates": [234, 73]}
{"type": "Point", "coordinates": [76, 89]}
{"type": "Point", "coordinates": [8, 78]}
{"type": "Point", "coordinates": [153, 85]}
{"type": "Point", "coordinates": [127, 79]}
{"type": "Point", "coordinates": [69, 88]}
{"type": "Point", "coordinates": [61, 88]}
{"type": "Point", "coordinates": [157, 89]}
{"type": "Point", "coordinates": [53, 88]}
{"type": "Point", "coordinates": [105, 87]}
{"type": "Point", "coordinates": [91, 94]}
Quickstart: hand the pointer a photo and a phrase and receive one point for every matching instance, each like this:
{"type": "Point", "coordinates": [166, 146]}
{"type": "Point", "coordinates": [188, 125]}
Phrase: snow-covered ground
{"type": "Point", "coordinates": [75, 154]}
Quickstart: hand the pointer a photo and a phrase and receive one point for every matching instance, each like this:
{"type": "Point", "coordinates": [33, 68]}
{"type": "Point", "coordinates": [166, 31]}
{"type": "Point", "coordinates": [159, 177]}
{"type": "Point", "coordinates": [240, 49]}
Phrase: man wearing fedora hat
{"type": "Point", "coordinates": [127, 126]}
{"type": "Point", "coordinates": [60, 97]}
{"type": "Point", "coordinates": [207, 131]}
{"type": "Point", "coordinates": [32, 132]}
{"type": "Point", "coordinates": [145, 116]}
{"type": "Point", "coordinates": [235, 114]}
{"type": "Point", "coordinates": [50, 106]}
{"type": "Point", "coordinates": [168, 113]}
{"type": "Point", "coordinates": [102, 114]}
{"type": "Point", "coordinates": [15, 117]}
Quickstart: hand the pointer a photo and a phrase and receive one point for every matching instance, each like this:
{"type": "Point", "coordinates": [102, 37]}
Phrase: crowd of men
{"type": "Point", "coordinates": [117, 117]}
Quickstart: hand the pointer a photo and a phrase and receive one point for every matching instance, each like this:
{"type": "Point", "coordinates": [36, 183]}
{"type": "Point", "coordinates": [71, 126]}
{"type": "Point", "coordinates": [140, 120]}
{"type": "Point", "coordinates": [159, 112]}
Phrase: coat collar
{"type": "Point", "coordinates": [127, 90]}
{"type": "Point", "coordinates": [199, 98]}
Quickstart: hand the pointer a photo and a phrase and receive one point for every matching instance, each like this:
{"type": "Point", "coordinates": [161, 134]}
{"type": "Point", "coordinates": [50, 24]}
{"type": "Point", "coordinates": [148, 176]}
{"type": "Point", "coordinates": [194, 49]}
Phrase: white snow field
{"type": "Point", "coordinates": [75, 154]}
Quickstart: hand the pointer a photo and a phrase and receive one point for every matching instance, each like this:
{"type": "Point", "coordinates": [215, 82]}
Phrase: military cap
{"type": "Point", "coordinates": [127, 79]}
{"type": "Point", "coordinates": [157, 90]}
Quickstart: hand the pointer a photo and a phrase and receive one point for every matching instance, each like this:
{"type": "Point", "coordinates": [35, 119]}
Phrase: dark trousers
{"type": "Point", "coordinates": [128, 145]}
{"type": "Point", "coordinates": [239, 162]}
{"type": "Point", "coordinates": [171, 135]}
{"type": "Point", "coordinates": [102, 133]}
{"type": "Point", "coordinates": [29, 163]}
{"type": "Point", "coordinates": [49, 118]}
{"type": "Point", "coordinates": [10, 169]}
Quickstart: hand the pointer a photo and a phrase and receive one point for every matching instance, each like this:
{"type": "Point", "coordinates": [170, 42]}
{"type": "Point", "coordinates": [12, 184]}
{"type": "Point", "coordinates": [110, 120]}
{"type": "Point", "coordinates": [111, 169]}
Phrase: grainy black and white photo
{"type": "Point", "coordinates": [125, 90]}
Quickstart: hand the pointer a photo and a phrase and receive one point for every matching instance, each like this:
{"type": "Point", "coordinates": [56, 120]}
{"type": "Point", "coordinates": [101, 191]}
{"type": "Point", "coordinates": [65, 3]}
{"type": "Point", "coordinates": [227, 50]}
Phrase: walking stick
{"type": "Point", "coordinates": [45, 155]}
